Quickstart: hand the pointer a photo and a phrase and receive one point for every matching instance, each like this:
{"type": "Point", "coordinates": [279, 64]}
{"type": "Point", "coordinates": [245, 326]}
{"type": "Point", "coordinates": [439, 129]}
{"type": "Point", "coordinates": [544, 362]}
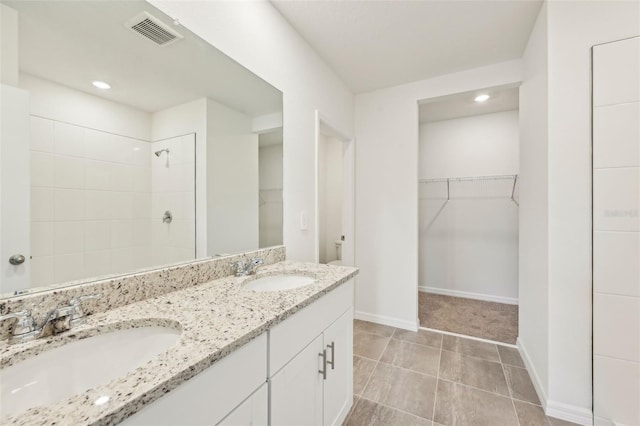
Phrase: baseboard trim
{"type": "Point", "coordinates": [466, 336]}
{"type": "Point", "coordinates": [384, 320]}
{"type": "Point", "coordinates": [570, 413]}
{"type": "Point", "coordinates": [535, 378]}
{"type": "Point", "coordinates": [468, 295]}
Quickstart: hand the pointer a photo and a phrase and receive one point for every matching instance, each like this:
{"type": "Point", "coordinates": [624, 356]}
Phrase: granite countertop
{"type": "Point", "coordinates": [215, 318]}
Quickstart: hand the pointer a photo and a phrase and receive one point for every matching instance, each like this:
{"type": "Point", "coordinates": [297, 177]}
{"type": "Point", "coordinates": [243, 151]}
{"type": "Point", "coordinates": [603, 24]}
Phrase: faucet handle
{"type": "Point", "coordinates": [25, 324]}
{"type": "Point", "coordinates": [78, 315]}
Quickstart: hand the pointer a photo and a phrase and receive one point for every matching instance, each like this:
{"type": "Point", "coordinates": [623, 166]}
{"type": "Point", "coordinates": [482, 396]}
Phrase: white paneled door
{"type": "Point", "coordinates": [15, 191]}
{"type": "Point", "coordinates": [616, 232]}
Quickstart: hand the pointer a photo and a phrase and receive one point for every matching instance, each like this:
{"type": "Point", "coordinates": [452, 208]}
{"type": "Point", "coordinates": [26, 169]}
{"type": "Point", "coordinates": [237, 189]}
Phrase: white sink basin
{"type": "Point", "coordinates": [73, 368]}
{"type": "Point", "coordinates": [279, 282]}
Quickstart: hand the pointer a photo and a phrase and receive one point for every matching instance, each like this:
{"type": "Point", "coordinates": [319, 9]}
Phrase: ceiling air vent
{"type": "Point", "coordinates": [152, 28]}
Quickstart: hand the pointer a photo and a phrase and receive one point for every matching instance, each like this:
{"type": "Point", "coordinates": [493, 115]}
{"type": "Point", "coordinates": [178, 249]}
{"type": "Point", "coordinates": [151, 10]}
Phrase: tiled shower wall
{"type": "Point", "coordinates": [173, 189]}
{"type": "Point", "coordinates": [90, 202]}
{"type": "Point", "coordinates": [616, 232]}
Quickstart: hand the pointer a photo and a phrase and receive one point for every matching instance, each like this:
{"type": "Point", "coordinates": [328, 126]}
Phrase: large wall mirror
{"type": "Point", "coordinates": [127, 143]}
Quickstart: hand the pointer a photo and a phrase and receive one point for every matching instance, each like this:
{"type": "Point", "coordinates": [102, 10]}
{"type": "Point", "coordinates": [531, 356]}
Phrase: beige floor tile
{"type": "Point", "coordinates": [368, 413]}
{"type": "Point", "coordinates": [370, 327]}
{"type": "Point", "coordinates": [557, 422]}
{"type": "Point", "coordinates": [421, 337]}
{"type": "Point", "coordinates": [423, 359]}
{"type": "Point", "coordinates": [520, 384]}
{"type": "Point", "coordinates": [402, 389]}
{"type": "Point", "coordinates": [530, 415]}
{"type": "Point", "coordinates": [510, 356]}
{"type": "Point", "coordinates": [464, 406]}
{"type": "Point", "coordinates": [362, 369]}
{"type": "Point", "coordinates": [474, 372]}
{"type": "Point", "coordinates": [369, 345]}
{"type": "Point", "coordinates": [471, 347]}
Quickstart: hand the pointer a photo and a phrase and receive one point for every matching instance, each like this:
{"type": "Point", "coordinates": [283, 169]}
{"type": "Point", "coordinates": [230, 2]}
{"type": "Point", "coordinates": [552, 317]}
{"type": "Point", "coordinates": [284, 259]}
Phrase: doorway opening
{"type": "Point", "coordinates": [334, 195]}
{"type": "Point", "coordinates": [468, 214]}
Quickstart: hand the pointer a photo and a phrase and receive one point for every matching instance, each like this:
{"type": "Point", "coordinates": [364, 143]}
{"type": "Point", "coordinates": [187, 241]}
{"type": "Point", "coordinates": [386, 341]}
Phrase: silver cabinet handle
{"type": "Point", "coordinates": [323, 355]}
{"type": "Point", "coordinates": [333, 353]}
{"type": "Point", "coordinates": [17, 259]}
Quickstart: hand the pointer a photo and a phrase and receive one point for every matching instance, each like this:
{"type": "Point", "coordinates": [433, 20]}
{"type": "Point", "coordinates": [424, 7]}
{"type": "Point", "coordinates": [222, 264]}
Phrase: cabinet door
{"type": "Point", "coordinates": [296, 390]}
{"type": "Point", "coordinates": [338, 388]}
{"type": "Point", "coordinates": [254, 411]}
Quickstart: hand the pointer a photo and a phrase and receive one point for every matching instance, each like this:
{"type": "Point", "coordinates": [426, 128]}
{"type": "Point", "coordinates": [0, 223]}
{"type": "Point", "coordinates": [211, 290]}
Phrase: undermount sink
{"type": "Point", "coordinates": [279, 282]}
{"type": "Point", "coordinates": [75, 367]}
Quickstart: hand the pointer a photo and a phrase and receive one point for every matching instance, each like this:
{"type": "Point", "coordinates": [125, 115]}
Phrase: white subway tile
{"type": "Point", "coordinates": [122, 178]}
{"type": "Point", "coordinates": [616, 263]}
{"type": "Point", "coordinates": [99, 205]}
{"type": "Point", "coordinates": [42, 238]}
{"type": "Point", "coordinates": [616, 389]}
{"type": "Point", "coordinates": [98, 175]}
{"type": "Point", "coordinates": [98, 145]}
{"type": "Point", "coordinates": [140, 153]}
{"type": "Point", "coordinates": [141, 232]}
{"type": "Point", "coordinates": [42, 271]}
{"type": "Point", "coordinates": [616, 331]}
{"type": "Point", "coordinates": [142, 257]}
{"type": "Point", "coordinates": [122, 205]}
{"type": "Point", "coordinates": [616, 135]}
{"type": "Point", "coordinates": [69, 204]}
{"type": "Point", "coordinates": [120, 149]}
{"type": "Point", "coordinates": [97, 235]}
{"type": "Point", "coordinates": [42, 204]}
{"type": "Point", "coordinates": [69, 237]}
{"type": "Point", "coordinates": [68, 267]}
{"type": "Point", "coordinates": [41, 169]}
{"type": "Point", "coordinates": [98, 263]}
{"type": "Point", "coordinates": [122, 260]}
{"type": "Point", "coordinates": [69, 172]}
{"type": "Point", "coordinates": [616, 67]}
{"type": "Point", "coordinates": [141, 205]}
{"type": "Point", "coordinates": [41, 134]}
{"type": "Point", "coordinates": [121, 234]}
{"type": "Point", "coordinates": [616, 199]}
{"type": "Point", "coordinates": [68, 139]}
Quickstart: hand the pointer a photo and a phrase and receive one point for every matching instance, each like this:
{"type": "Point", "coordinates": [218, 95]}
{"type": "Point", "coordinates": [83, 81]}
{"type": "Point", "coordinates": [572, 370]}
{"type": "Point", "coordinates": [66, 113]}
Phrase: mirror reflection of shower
{"type": "Point", "coordinates": [158, 153]}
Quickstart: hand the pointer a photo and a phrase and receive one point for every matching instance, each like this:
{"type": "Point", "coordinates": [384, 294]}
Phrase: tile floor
{"type": "Point", "coordinates": [478, 318]}
{"type": "Point", "coordinates": [406, 378]}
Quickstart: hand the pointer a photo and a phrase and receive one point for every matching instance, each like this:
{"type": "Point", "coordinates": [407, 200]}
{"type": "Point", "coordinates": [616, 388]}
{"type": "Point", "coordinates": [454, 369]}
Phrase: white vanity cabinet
{"type": "Point", "coordinates": [311, 363]}
{"type": "Point", "coordinates": [299, 373]}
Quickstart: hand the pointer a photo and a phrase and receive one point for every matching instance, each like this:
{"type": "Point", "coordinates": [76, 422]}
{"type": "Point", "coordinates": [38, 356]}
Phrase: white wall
{"type": "Point", "coordinates": [573, 28]}
{"type": "Point", "coordinates": [387, 189]}
{"type": "Point", "coordinates": [533, 236]}
{"type": "Point", "coordinates": [330, 195]}
{"type": "Point", "coordinates": [616, 245]}
{"type": "Point", "coordinates": [469, 247]}
{"type": "Point", "coordinates": [270, 209]}
{"type": "Point", "coordinates": [188, 118]}
{"type": "Point", "coordinates": [8, 45]}
{"type": "Point", "coordinates": [258, 37]}
{"type": "Point", "coordinates": [60, 103]}
{"type": "Point", "coordinates": [232, 181]}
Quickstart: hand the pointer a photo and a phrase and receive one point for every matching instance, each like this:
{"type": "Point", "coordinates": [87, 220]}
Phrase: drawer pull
{"type": "Point", "coordinates": [333, 353]}
{"type": "Point", "coordinates": [323, 355]}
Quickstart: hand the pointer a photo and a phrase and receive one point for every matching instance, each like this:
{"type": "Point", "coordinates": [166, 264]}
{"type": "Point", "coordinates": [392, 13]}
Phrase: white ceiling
{"type": "Point", "coordinates": [75, 42]}
{"type": "Point", "coordinates": [463, 104]}
{"type": "Point", "coordinates": [376, 44]}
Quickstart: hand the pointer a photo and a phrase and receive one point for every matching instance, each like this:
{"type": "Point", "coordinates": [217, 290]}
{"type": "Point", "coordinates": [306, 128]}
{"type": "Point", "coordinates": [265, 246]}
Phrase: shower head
{"type": "Point", "coordinates": [161, 151]}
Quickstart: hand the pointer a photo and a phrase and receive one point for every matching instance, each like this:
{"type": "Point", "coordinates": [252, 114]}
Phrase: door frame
{"type": "Point", "coordinates": [324, 126]}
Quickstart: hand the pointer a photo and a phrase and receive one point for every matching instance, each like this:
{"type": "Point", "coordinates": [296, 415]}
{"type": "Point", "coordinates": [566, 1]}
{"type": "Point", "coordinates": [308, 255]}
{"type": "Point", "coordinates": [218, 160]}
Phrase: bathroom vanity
{"type": "Point", "coordinates": [244, 354]}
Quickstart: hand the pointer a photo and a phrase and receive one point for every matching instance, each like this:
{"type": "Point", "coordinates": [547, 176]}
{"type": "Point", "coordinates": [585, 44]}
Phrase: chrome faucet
{"type": "Point", "coordinates": [26, 328]}
{"type": "Point", "coordinates": [251, 267]}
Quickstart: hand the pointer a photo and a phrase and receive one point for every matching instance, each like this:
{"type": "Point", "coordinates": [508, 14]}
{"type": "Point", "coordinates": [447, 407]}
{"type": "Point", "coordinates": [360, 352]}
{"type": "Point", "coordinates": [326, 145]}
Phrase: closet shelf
{"type": "Point", "coordinates": [475, 187]}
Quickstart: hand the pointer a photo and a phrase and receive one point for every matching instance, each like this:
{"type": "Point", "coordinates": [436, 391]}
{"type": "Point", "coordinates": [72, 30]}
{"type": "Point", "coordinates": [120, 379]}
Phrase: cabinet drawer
{"type": "Point", "coordinates": [209, 396]}
{"type": "Point", "coordinates": [293, 334]}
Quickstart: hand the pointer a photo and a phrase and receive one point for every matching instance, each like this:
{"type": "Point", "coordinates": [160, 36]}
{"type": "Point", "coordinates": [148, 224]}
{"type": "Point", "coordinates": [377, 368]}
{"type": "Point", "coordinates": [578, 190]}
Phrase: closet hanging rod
{"type": "Point", "coordinates": [468, 178]}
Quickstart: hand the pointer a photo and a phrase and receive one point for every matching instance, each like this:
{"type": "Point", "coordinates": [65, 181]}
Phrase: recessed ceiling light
{"type": "Point", "coordinates": [101, 85]}
{"type": "Point", "coordinates": [482, 98]}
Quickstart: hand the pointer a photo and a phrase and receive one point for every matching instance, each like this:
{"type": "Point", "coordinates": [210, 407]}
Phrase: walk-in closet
{"type": "Point", "coordinates": [468, 214]}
